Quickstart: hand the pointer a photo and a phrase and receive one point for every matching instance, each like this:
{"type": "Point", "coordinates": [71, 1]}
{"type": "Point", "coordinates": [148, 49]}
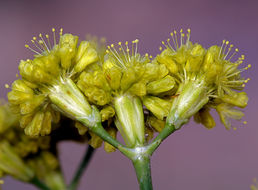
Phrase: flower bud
{"type": "Point", "coordinates": [237, 99]}
{"type": "Point", "coordinates": [67, 49]}
{"type": "Point", "coordinates": [107, 113]}
{"type": "Point", "coordinates": [34, 73]}
{"type": "Point", "coordinates": [204, 117]}
{"type": "Point", "coordinates": [157, 124]}
{"type": "Point", "coordinates": [85, 56]}
{"type": "Point", "coordinates": [159, 107]}
{"type": "Point", "coordinates": [130, 121]}
{"type": "Point", "coordinates": [163, 85]}
{"type": "Point", "coordinates": [192, 97]}
{"type": "Point", "coordinates": [165, 58]}
{"type": "Point", "coordinates": [227, 112]}
{"type": "Point", "coordinates": [95, 140]}
{"type": "Point", "coordinates": [12, 164]}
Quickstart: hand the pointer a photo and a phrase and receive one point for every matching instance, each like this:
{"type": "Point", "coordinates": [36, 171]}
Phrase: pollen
{"type": "Point", "coordinates": [177, 42]}
{"type": "Point", "coordinates": [41, 46]}
{"type": "Point", "coordinates": [123, 54]}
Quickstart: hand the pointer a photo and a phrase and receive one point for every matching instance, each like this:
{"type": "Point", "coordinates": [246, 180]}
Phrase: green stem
{"type": "Point", "coordinates": [143, 172]}
{"type": "Point", "coordinates": [168, 130]}
{"type": "Point", "coordinates": [35, 181]}
{"type": "Point", "coordinates": [82, 166]}
{"type": "Point", "coordinates": [102, 133]}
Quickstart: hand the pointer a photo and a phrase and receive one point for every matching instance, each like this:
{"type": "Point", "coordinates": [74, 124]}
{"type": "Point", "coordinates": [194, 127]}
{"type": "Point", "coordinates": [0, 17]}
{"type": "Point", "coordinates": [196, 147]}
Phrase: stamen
{"type": "Point", "coordinates": [221, 47]}
{"type": "Point", "coordinates": [54, 35]}
{"type": "Point", "coordinates": [224, 50]}
{"type": "Point", "coordinates": [188, 36]}
{"type": "Point", "coordinates": [42, 45]}
{"type": "Point", "coordinates": [176, 39]}
{"type": "Point", "coordinates": [127, 50]}
{"type": "Point", "coordinates": [114, 50]}
{"type": "Point", "coordinates": [172, 36]}
{"type": "Point", "coordinates": [181, 37]}
{"type": "Point", "coordinates": [114, 54]}
{"type": "Point", "coordinates": [27, 46]}
{"type": "Point", "coordinates": [236, 50]}
{"type": "Point", "coordinates": [169, 45]}
{"type": "Point", "coordinates": [229, 49]}
{"type": "Point", "coordinates": [61, 32]}
{"type": "Point", "coordinates": [49, 44]}
{"type": "Point", "coordinates": [136, 46]}
{"type": "Point", "coordinates": [33, 42]}
{"type": "Point", "coordinates": [45, 45]}
{"type": "Point", "coordinates": [120, 44]}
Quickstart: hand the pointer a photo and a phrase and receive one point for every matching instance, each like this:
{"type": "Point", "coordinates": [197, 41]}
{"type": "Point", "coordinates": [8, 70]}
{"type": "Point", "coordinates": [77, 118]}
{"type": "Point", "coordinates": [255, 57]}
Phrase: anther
{"type": "Point", "coordinates": [61, 32]}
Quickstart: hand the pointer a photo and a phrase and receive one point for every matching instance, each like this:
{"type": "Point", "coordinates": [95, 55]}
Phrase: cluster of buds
{"type": "Point", "coordinates": [26, 158]}
{"type": "Point", "coordinates": [101, 91]}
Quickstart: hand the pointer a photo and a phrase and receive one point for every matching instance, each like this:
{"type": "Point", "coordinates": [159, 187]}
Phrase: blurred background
{"type": "Point", "coordinates": [191, 158]}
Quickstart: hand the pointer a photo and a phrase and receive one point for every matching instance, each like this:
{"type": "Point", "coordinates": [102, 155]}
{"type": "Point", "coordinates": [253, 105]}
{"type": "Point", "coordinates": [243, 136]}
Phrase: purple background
{"type": "Point", "coordinates": [192, 158]}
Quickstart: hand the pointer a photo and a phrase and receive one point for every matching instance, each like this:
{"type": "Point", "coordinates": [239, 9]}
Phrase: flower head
{"type": "Point", "coordinates": [19, 152]}
{"type": "Point", "coordinates": [210, 77]}
{"type": "Point", "coordinates": [49, 77]}
{"type": "Point", "coordinates": [122, 83]}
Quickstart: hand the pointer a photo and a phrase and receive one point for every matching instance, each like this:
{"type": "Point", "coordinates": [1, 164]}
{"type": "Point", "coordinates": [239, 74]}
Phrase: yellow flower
{"type": "Point", "coordinates": [120, 82]}
{"type": "Point", "coordinates": [12, 164]}
{"type": "Point", "coordinates": [48, 79]}
{"type": "Point", "coordinates": [46, 168]}
{"type": "Point", "coordinates": [208, 77]}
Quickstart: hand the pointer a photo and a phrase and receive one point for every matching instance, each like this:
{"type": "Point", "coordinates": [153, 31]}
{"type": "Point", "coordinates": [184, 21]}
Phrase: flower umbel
{"type": "Point", "coordinates": [204, 77]}
{"type": "Point", "coordinates": [123, 82]}
{"type": "Point", "coordinates": [47, 82]}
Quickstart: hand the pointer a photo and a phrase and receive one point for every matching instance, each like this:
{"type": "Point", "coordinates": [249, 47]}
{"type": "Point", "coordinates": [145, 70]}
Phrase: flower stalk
{"type": "Point", "coordinates": [130, 119]}
{"type": "Point", "coordinates": [68, 99]}
{"type": "Point", "coordinates": [35, 181]}
{"type": "Point", "coordinates": [143, 171]}
{"type": "Point", "coordinates": [81, 168]}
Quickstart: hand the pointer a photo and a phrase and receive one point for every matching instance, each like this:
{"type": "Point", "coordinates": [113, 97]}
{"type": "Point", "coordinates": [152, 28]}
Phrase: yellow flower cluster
{"type": "Point", "coordinates": [19, 153]}
{"type": "Point", "coordinates": [84, 91]}
{"type": "Point", "coordinates": [135, 94]}
{"type": "Point", "coordinates": [213, 71]}
{"type": "Point", "coordinates": [52, 65]}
